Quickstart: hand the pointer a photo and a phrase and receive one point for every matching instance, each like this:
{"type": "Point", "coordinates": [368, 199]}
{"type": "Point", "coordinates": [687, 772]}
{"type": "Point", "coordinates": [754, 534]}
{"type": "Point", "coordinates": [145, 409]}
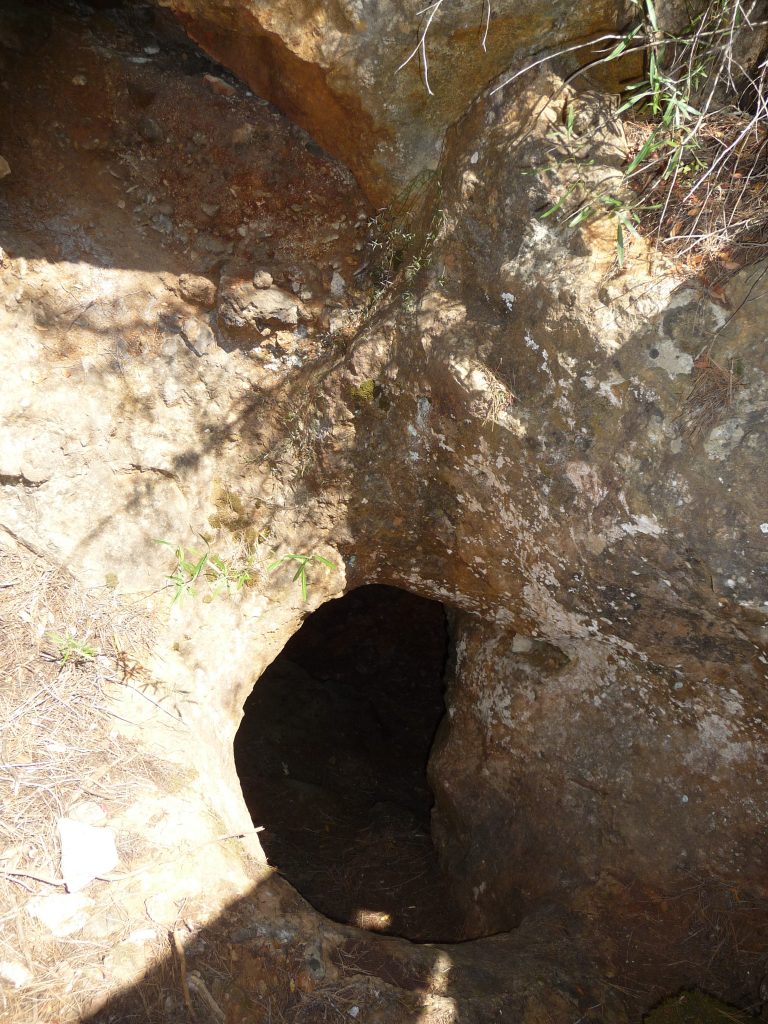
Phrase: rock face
{"type": "Point", "coordinates": [558, 479]}
{"type": "Point", "coordinates": [333, 68]}
{"type": "Point", "coordinates": [568, 457]}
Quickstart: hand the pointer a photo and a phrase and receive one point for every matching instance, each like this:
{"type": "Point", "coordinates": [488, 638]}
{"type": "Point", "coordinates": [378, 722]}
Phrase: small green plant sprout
{"type": "Point", "coordinates": [695, 123]}
{"type": "Point", "coordinates": [226, 576]}
{"type": "Point", "coordinates": [302, 562]}
{"type": "Point", "coordinates": [71, 649]}
{"type": "Point", "coordinates": [194, 568]}
{"type": "Point", "coordinates": [186, 572]}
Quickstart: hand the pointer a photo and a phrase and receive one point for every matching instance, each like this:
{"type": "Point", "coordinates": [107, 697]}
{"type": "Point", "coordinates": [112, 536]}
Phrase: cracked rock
{"type": "Point", "coordinates": [244, 305]}
{"type": "Point", "coordinates": [198, 335]}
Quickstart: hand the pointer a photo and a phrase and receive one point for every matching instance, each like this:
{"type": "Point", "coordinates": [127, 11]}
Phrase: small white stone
{"type": "Point", "coordinates": [61, 913]}
{"type": "Point", "coordinates": [763, 527]}
{"type": "Point", "coordinates": [15, 972]}
{"type": "Point", "coordinates": [338, 285]}
{"type": "Point", "coordinates": [86, 852]}
{"type": "Point", "coordinates": [262, 279]}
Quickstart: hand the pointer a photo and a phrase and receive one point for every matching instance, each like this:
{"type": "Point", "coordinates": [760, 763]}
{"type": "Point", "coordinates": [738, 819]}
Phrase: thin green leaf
{"type": "Point", "coordinates": [634, 100]}
{"type": "Point", "coordinates": [651, 12]}
{"type": "Point", "coordinates": [583, 214]}
{"type": "Point", "coordinates": [555, 206]}
{"type": "Point", "coordinates": [620, 244]}
{"type": "Point", "coordinates": [653, 68]}
{"type": "Point", "coordinates": [623, 44]}
{"type": "Point", "coordinates": [651, 145]}
{"type": "Point", "coordinates": [199, 566]}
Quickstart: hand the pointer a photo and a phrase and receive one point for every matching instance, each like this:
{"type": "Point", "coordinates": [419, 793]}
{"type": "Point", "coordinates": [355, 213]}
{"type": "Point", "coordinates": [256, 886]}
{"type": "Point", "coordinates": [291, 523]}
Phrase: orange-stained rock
{"type": "Point", "coordinates": [333, 67]}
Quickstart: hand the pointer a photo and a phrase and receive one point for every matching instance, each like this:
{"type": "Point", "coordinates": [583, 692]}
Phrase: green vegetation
{"type": "Point", "coordinates": [696, 122]}
{"type": "Point", "coordinates": [364, 393]}
{"type": "Point", "coordinates": [71, 649]}
{"type": "Point", "coordinates": [195, 568]}
{"type": "Point", "coordinates": [697, 129]}
{"type": "Point", "coordinates": [301, 572]}
{"type": "Point", "coordinates": [205, 573]}
{"type": "Point", "coordinates": [402, 239]}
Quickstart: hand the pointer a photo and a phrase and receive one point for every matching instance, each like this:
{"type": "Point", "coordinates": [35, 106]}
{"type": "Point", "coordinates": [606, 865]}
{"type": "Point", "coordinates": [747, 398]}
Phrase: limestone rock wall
{"type": "Point", "coordinates": [332, 67]}
{"type": "Point", "coordinates": [511, 429]}
{"type": "Point", "coordinates": [553, 772]}
{"type": "Point", "coordinates": [556, 478]}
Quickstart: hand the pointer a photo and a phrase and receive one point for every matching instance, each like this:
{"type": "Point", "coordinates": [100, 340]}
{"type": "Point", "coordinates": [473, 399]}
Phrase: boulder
{"type": "Point", "coordinates": [243, 304]}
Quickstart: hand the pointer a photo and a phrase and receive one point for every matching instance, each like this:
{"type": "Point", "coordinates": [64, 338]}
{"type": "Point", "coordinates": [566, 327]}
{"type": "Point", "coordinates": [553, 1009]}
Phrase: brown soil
{"type": "Point", "coordinates": [332, 756]}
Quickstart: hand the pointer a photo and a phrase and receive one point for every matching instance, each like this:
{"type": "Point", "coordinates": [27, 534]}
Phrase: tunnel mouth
{"type": "Point", "coordinates": [332, 758]}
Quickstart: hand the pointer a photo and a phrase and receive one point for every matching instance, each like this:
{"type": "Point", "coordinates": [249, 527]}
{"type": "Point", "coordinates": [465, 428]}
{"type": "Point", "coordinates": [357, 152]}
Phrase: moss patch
{"type": "Point", "coordinates": [364, 393]}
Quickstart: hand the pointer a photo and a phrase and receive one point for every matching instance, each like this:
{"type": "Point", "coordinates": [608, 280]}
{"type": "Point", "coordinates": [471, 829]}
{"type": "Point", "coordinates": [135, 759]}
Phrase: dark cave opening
{"type": "Point", "coordinates": [332, 755]}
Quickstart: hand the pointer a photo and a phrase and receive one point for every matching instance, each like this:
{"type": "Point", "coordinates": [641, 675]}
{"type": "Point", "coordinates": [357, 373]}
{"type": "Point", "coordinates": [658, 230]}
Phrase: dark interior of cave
{"type": "Point", "coordinates": [332, 755]}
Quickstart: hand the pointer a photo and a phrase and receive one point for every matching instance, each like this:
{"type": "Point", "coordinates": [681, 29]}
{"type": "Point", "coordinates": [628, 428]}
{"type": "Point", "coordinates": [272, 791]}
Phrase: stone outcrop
{"type": "Point", "coordinates": [333, 68]}
{"type": "Point", "coordinates": [561, 479]}
{"type": "Point", "coordinates": [569, 456]}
